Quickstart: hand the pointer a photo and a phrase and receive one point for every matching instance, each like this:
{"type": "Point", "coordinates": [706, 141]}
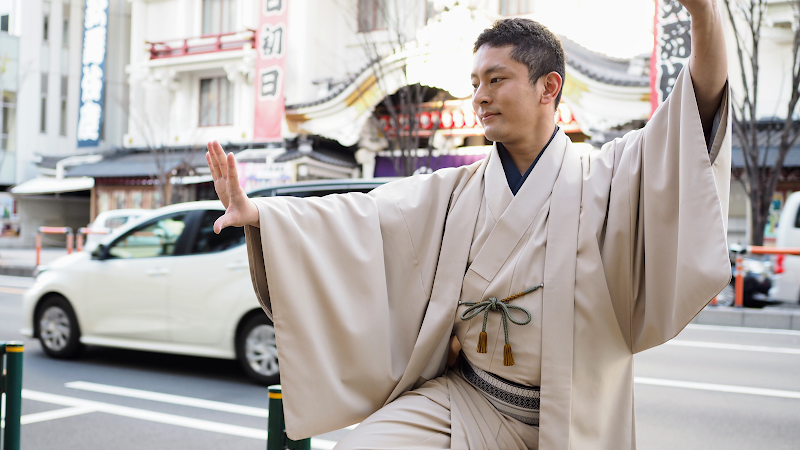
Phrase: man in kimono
{"type": "Point", "coordinates": [547, 267]}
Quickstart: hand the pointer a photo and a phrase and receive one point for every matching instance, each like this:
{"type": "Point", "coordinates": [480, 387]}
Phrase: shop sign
{"type": "Point", "coordinates": [270, 70]}
{"type": "Point", "coordinates": [90, 114]}
{"type": "Point", "coordinates": [461, 120]}
{"type": "Point", "coordinates": [673, 45]}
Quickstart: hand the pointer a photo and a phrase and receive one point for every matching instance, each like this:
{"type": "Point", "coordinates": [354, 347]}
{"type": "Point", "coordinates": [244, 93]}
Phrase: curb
{"type": "Point", "coordinates": [784, 319]}
{"type": "Point", "coordinates": [17, 271]}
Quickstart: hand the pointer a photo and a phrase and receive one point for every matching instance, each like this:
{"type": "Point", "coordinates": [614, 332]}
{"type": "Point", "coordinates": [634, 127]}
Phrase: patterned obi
{"type": "Point", "coordinates": [512, 399]}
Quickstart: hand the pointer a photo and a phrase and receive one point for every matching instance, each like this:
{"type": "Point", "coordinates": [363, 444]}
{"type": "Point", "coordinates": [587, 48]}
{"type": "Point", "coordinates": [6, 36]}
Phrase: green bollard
{"type": "Point", "coordinates": [13, 393]}
{"type": "Point", "coordinates": [276, 427]}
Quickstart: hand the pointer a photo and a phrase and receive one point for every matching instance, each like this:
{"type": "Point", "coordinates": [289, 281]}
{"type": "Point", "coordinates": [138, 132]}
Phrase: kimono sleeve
{"type": "Point", "coordinates": [665, 244]}
{"type": "Point", "coordinates": [346, 280]}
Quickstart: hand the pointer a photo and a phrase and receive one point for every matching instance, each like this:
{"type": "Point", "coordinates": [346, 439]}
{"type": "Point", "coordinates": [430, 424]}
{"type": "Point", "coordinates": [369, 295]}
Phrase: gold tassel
{"type": "Point", "coordinates": [508, 357]}
{"type": "Point", "coordinates": [482, 338]}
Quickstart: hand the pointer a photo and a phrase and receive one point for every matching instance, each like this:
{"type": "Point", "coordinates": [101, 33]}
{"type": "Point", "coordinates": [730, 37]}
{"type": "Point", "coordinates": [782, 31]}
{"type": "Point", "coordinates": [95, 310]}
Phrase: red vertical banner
{"type": "Point", "coordinates": [270, 70]}
{"type": "Point", "coordinates": [673, 45]}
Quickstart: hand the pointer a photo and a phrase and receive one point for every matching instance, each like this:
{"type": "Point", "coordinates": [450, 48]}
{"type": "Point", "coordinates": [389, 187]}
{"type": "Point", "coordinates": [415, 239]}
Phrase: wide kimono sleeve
{"type": "Point", "coordinates": [664, 246]}
{"type": "Point", "coordinates": [346, 280]}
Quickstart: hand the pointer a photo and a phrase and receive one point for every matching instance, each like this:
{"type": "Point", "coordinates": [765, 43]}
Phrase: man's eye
{"type": "Point", "coordinates": [474, 86]}
{"type": "Point", "coordinates": [494, 80]}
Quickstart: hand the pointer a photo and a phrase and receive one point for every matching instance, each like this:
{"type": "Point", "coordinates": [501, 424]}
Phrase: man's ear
{"type": "Point", "coordinates": [552, 86]}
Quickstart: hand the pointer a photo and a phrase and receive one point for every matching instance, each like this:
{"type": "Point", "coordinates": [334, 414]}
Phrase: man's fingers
{"type": "Point", "coordinates": [220, 156]}
{"type": "Point", "coordinates": [233, 174]}
{"type": "Point", "coordinates": [214, 170]}
{"type": "Point", "coordinates": [219, 224]}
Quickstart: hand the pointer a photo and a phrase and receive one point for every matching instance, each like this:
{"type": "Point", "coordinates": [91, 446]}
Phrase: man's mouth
{"type": "Point", "coordinates": [488, 116]}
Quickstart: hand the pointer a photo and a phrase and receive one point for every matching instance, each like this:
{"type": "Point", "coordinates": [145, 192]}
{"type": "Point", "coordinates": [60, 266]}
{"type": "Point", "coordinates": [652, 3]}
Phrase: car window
{"type": "Point", "coordinates": [209, 242]}
{"type": "Point", "coordinates": [150, 240]}
{"type": "Point", "coordinates": [114, 222]}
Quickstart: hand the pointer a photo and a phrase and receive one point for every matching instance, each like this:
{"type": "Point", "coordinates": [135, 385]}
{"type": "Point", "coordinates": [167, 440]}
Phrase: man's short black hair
{"type": "Point", "coordinates": [533, 45]}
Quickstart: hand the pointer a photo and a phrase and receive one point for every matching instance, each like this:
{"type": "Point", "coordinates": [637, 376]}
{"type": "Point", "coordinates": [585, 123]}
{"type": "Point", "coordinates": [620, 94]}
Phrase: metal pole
{"type": "Point", "coordinates": [13, 392]}
{"type": "Point", "coordinates": [38, 248]}
{"type": "Point", "coordinates": [276, 427]}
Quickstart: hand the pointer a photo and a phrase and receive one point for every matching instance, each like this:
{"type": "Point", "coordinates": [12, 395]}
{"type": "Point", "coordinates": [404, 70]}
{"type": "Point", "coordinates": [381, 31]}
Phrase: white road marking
{"type": "Point", "coordinates": [153, 416]}
{"type": "Point", "coordinates": [747, 348]}
{"type": "Point", "coordinates": [717, 387]}
{"type": "Point", "coordinates": [55, 414]}
{"type": "Point", "coordinates": [168, 398]}
{"type": "Point", "coordinates": [693, 326]}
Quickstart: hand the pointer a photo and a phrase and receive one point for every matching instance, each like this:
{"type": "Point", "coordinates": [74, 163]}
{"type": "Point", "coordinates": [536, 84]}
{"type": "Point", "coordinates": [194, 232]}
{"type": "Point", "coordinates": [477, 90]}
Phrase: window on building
{"type": "Point", "coordinates": [4, 23]}
{"type": "Point", "coordinates": [216, 102]}
{"type": "Point", "coordinates": [515, 7]}
{"type": "Point", "coordinates": [8, 118]}
{"type": "Point", "coordinates": [371, 15]}
{"type": "Point", "coordinates": [219, 16]}
{"type": "Point", "coordinates": [43, 116]}
{"type": "Point", "coordinates": [65, 27]}
{"type": "Point", "coordinates": [63, 122]}
{"type": "Point", "coordinates": [45, 27]}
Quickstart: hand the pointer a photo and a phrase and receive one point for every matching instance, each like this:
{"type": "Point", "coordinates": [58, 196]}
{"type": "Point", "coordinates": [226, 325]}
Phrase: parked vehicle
{"type": "Point", "coordinates": [786, 280]}
{"type": "Point", "coordinates": [757, 280]}
{"type": "Point", "coordinates": [164, 283]}
{"type": "Point", "coordinates": [107, 221]}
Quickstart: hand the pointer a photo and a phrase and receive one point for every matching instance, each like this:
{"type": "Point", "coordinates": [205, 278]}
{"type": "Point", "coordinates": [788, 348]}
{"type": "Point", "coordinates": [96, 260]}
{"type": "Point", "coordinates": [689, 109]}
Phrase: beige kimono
{"type": "Point", "coordinates": [629, 241]}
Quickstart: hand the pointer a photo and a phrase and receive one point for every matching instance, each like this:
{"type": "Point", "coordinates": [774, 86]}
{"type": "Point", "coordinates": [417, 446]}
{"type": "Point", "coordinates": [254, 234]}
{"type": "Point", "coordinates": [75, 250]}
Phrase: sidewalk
{"type": "Point", "coordinates": [21, 262]}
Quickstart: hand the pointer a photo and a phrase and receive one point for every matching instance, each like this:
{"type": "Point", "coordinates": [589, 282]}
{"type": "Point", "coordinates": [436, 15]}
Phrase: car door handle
{"type": "Point", "coordinates": [238, 266]}
{"type": "Point", "coordinates": [157, 272]}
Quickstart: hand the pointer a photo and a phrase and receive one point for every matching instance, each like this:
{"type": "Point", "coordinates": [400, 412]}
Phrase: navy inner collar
{"type": "Point", "coordinates": [513, 177]}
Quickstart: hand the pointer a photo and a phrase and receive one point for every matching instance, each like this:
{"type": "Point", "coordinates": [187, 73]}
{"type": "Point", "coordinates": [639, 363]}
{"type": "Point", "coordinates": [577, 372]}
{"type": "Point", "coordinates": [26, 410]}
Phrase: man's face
{"type": "Point", "coordinates": [505, 101]}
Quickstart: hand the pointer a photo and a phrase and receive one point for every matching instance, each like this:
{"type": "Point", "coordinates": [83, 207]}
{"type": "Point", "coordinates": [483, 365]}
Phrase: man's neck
{"type": "Point", "coordinates": [524, 153]}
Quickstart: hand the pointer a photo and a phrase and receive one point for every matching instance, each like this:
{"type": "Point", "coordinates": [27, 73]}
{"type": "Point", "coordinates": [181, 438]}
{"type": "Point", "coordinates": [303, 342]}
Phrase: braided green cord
{"type": "Point", "coordinates": [492, 304]}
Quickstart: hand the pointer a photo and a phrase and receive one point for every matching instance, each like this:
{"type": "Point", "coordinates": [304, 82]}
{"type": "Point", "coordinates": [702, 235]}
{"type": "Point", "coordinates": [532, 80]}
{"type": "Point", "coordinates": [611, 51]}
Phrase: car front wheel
{"type": "Point", "coordinates": [256, 350]}
{"type": "Point", "coordinates": [58, 328]}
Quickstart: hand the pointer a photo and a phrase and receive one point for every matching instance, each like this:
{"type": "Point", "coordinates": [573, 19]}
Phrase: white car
{"type": "Point", "coordinates": [166, 283]}
{"type": "Point", "coordinates": [107, 221]}
{"type": "Point", "coordinates": [786, 281]}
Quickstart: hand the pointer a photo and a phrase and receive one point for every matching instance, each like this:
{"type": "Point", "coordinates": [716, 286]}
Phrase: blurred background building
{"type": "Point", "coordinates": [355, 88]}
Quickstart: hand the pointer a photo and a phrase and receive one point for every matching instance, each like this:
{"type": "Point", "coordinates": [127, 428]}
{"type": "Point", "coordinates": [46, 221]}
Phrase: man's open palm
{"type": "Point", "coordinates": [239, 210]}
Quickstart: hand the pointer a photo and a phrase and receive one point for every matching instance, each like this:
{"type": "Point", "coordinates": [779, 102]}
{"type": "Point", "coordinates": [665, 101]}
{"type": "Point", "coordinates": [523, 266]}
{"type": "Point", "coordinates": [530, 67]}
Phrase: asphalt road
{"type": "Point", "coordinates": [712, 388]}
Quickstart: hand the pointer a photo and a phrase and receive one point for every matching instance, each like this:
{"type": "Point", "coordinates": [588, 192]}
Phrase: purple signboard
{"type": "Point", "coordinates": [385, 168]}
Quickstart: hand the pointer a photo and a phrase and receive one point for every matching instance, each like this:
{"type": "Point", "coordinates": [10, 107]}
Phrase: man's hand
{"type": "Point", "coordinates": [709, 61]}
{"type": "Point", "coordinates": [239, 210]}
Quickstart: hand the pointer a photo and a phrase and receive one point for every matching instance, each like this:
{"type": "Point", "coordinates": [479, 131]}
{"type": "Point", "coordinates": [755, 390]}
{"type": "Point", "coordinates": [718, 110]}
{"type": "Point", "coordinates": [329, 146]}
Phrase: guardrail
{"type": "Point", "coordinates": [82, 232]}
{"type": "Point", "coordinates": [11, 390]}
{"type": "Point", "coordinates": [276, 426]}
{"type": "Point", "coordinates": [738, 301]}
{"type": "Point", "coordinates": [209, 43]}
{"type": "Point", "coordinates": [52, 230]}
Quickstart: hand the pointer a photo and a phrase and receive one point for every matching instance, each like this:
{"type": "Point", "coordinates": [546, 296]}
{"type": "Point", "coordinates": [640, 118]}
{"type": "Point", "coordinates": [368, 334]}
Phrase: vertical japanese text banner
{"type": "Point", "coordinates": [90, 114]}
{"type": "Point", "coordinates": [270, 71]}
{"type": "Point", "coordinates": [673, 45]}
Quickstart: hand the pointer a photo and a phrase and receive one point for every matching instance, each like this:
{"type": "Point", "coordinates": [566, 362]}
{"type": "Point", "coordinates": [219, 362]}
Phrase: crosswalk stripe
{"type": "Point", "coordinates": [55, 414]}
{"type": "Point", "coordinates": [169, 398]}
{"type": "Point", "coordinates": [747, 348]}
{"type": "Point", "coordinates": [153, 416]}
{"type": "Point", "coordinates": [717, 387]}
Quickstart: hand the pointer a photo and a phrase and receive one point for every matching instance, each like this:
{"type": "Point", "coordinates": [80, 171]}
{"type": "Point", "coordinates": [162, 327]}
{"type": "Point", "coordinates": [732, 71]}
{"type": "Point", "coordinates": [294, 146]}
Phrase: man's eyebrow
{"type": "Point", "coordinates": [494, 68]}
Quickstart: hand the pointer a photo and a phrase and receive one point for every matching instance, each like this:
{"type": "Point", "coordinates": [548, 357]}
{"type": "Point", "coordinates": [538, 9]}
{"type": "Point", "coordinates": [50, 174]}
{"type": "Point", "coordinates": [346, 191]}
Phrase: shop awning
{"type": "Point", "coordinates": [49, 185]}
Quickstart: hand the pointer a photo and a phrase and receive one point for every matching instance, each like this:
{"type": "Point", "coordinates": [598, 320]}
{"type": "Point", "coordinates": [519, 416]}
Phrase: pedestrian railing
{"type": "Point", "coordinates": [52, 230]}
{"type": "Point", "coordinates": [738, 301]}
{"type": "Point", "coordinates": [11, 392]}
{"type": "Point", "coordinates": [83, 232]}
{"type": "Point", "coordinates": [276, 427]}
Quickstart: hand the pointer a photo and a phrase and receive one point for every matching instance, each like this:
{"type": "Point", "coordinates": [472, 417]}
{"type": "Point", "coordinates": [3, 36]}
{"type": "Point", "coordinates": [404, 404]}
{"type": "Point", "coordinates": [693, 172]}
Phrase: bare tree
{"type": "Point", "coordinates": [403, 106]}
{"type": "Point", "coordinates": [756, 136]}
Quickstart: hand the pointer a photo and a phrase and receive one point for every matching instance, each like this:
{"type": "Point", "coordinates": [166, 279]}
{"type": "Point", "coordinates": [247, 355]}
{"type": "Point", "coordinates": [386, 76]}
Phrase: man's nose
{"type": "Point", "coordinates": [480, 96]}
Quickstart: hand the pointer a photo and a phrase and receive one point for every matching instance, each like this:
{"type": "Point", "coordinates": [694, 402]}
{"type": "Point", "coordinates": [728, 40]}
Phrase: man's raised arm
{"type": "Point", "coordinates": [239, 210]}
{"type": "Point", "coordinates": [708, 62]}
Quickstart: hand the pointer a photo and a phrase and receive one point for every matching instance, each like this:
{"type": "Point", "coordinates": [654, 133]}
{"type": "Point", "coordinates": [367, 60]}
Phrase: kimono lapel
{"type": "Point", "coordinates": [430, 350]}
{"type": "Point", "coordinates": [558, 305]}
{"type": "Point", "coordinates": [520, 212]}
{"type": "Point", "coordinates": [498, 194]}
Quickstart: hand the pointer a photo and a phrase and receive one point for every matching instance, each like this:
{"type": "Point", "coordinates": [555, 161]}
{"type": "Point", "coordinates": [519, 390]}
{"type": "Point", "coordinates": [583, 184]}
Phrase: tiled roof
{"type": "Point", "coordinates": [604, 68]}
{"type": "Point", "coordinates": [324, 156]}
{"type": "Point", "coordinates": [138, 164]}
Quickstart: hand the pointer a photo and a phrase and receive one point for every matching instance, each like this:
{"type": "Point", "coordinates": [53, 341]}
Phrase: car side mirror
{"type": "Point", "coordinates": [100, 252]}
